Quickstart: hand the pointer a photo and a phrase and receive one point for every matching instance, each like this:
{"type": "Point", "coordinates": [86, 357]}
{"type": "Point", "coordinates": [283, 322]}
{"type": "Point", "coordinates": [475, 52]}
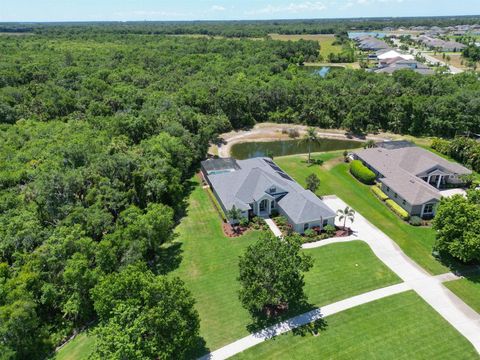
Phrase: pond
{"type": "Point", "coordinates": [354, 35]}
{"type": "Point", "coordinates": [289, 147]}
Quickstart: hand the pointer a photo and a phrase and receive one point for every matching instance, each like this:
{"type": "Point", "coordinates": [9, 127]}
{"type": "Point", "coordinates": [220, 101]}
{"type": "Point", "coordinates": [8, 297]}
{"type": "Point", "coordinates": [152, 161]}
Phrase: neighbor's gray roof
{"type": "Point", "coordinates": [411, 188]}
{"type": "Point", "coordinates": [402, 166]}
{"type": "Point", "coordinates": [305, 206]}
{"type": "Point", "coordinates": [414, 160]}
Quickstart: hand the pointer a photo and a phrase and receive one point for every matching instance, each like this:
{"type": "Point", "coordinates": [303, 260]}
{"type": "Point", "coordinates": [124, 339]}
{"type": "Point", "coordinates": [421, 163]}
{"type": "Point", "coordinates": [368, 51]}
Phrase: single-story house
{"type": "Point", "coordinates": [388, 67]}
{"type": "Point", "coordinates": [411, 176]}
{"type": "Point", "coordinates": [258, 187]}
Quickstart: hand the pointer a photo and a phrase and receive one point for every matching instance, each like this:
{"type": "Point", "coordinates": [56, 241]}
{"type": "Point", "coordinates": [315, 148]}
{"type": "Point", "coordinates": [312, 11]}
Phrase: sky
{"type": "Point", "coordinates": [138, 10]}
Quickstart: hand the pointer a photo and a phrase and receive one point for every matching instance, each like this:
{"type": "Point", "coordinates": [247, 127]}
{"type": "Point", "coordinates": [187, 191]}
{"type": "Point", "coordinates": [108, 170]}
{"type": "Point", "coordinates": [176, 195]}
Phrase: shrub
{"type": "Point", "coordinates": [281, 221]}
{"type": "Point", "coordinates": [329, 230]}
{"type": "Point", "coordinates": [397, 209]}
{"type": "Point", "coordinates": [379, 193]}
{"type": "Point", "coordinates": [361, 172]}
{"type": "Point", "coordinates": [293, 133]}
{"type": "Point", "coordinates": [244, 222]}
{"type": "Point", "coordinates": [310, 233]}
{"type": "Point", "coordinates": [274, 213]}
{"type": "Point", "coordinates": [415, 221]}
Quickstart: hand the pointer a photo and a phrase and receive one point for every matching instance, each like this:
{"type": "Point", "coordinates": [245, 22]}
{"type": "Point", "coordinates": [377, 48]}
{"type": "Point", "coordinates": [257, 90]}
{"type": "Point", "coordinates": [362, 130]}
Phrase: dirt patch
{"type": "Point", "coordinates": [330, 164]}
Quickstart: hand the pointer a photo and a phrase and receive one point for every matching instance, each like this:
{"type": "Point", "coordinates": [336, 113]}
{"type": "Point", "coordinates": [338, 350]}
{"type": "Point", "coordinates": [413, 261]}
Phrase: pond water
{"type": "Point", "coordinates": [353, 35]}
{"type": "Point", "coordinates": [289, 147]}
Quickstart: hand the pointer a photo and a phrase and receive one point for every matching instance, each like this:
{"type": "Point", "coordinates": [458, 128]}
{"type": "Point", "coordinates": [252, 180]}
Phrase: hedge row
{"type": "Point", "coordinates": [361, 172]}
{"type": "Point", "coordinates": [397, 209]}
{"type": "Point", "coordinates": [379, 193]}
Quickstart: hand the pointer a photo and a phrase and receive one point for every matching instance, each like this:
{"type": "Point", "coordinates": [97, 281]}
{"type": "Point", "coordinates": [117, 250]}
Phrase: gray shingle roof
{"type": "Point", "coordinates": [305, 206]}
{"type": "Point", "coordinates": [255, 177]}
{"type": "Point", "coordinates": [401, 167]}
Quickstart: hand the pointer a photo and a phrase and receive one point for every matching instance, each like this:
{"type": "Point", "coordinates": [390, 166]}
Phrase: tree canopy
{"type": "Point", "coordinates": [271, 274]}
{"type": "Point", "coordinates": [457, 222]}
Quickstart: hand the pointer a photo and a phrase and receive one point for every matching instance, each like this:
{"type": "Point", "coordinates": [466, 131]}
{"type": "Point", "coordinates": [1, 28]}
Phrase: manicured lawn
{"type": "Point", "coordinates": [402, 326]}
{"type": "Point", "coordinates": [343, 270]}
{"type": "Point", "coordinates": [77, 349]}
{"type": "Point", "coordinates": [468, 290]}
{"type": "Point", "coordinates": [416, 242]}
{"type": "Point", "coordinates": [209, 268]}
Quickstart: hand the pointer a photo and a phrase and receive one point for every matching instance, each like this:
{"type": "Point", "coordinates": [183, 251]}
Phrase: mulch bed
{"type": "Point", "coordinates": [229, 232]}
{"type": "Point", "coordinates": [343, 232]}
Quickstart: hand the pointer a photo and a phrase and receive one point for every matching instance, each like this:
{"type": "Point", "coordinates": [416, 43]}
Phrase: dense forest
{"type": "Point", "coordinates": [244, 28]}
{"type": "Point", "coordinates": [100, 133]}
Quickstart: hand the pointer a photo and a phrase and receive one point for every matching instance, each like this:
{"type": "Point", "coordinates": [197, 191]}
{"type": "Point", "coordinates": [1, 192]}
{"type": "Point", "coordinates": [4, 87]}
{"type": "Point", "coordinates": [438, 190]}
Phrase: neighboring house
{"type": "Point", "coordinates": [258, 186]}
{"type": "Point", "coordinates": [367, 42]}
{"type": "Point", "coordinates": [389, 67]}
{"type": "Point", "coordinates": [393, 54]}
{"type": "Point", "coordinates": [411, 176]}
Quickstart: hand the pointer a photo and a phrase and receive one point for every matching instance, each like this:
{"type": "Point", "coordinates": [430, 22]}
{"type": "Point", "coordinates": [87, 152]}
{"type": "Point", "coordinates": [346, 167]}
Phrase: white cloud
{"type": "Point", "coordinates": [292, 8]}
{"type": "Point", "coordinates": [218, 8]}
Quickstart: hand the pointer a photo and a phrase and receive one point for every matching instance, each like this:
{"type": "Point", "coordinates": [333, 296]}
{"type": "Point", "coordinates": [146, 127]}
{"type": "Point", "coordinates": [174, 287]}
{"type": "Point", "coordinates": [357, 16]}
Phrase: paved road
{"type": "Point", "coordinates": [447, 304]}
{"type": "Point", "coordinates": [430, 59]}
{"type": "Point", "coordinates": [303, 319]}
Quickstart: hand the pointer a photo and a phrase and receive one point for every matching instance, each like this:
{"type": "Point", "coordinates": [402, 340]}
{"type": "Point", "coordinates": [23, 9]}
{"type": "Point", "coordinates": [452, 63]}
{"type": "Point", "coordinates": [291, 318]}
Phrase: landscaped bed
{"type": "Point", "coordinates": [402, 326]}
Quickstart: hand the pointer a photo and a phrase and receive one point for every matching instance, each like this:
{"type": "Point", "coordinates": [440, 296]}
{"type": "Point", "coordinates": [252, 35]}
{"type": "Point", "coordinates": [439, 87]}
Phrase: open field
{"type": "Point", "coordinates": [209, 268]}
{"type": "Point", "coordinates": [78, 349]}
{"type": "Point", "coordinates": [468, 290]}
{"type": "Point", "coordinates": [455, 60]}
{"type": "Point", "coordinates": [402, 326]}
{"type": "Point", "coordinates": [325, 41]}
{"type": "Point", "coordinates": [416, 242]}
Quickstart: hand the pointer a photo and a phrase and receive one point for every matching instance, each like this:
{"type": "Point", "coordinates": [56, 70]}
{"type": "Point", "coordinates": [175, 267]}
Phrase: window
{"type": "Point", "coordinates": [273, 189]}
{"type": "Point", "coordinates": [272, 204]}
{"type": "Point", "coordinates": [428, 209]}
{"type": "Point", "coordinates": [388, 189]}
{"type": "Point", "coordinates": [395, 195]}
{"type": "Point", "coordinates": [325, 222]}
{"type": "Point", "coordinates": [404, 202]}
{"type": "Point", "coordinates": [306, 226]}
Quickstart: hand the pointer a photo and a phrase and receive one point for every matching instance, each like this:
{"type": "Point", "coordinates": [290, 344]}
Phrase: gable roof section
{"type": "Point", "coordinates": [401, 167]}
{"type": "Point", "coordinates": [305, 206]}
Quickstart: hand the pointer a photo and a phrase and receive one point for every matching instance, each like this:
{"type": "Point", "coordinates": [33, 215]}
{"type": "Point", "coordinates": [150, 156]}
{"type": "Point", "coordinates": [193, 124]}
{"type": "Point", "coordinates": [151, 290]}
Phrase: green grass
{"type": "Point", "coordinates": [468, 290]}
{"type": "Point", "coordinates": [210, 268]}
{"type": "Point", "coordinates": [416, 242]}
{"type": "Point", "coordinates": [343, 270]}
{"type": "Point", "coordinates": [78, 349]}
{"type": "Point", "coordinates": [402, 326]}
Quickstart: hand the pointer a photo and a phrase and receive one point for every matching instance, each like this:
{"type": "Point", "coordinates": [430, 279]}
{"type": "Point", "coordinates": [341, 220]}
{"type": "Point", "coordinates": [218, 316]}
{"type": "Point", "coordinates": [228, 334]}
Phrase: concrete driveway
{"type": "Point", "coordinates": [447, 304]}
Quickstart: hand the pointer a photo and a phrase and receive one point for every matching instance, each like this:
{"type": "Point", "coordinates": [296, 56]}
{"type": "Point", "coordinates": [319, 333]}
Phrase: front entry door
{"type": "Point", "coordinates": [263, 207]}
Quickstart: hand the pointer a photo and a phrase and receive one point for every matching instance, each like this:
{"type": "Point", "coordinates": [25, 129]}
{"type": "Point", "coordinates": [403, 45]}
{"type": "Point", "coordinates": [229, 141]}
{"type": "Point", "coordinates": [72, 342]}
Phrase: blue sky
{"type": "Point", "coordinates": [89, 10]}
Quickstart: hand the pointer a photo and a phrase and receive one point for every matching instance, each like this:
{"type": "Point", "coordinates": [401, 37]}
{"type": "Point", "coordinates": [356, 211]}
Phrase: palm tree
{"type": "Point", "coordinates": [310, 137]}
{"type": "Point", "coordinates": [346, 214]}
{"type": "Point", "coordinates": [369, 144]}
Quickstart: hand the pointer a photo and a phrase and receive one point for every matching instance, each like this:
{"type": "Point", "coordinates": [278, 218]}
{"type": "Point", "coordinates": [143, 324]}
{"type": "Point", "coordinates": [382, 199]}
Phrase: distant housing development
{"type": "Point", "coordinates": [416, 179]}
{"type": "Point", "coordinates": [439, 44]}
{"type": "Point", "coordinates": [259, 187]}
